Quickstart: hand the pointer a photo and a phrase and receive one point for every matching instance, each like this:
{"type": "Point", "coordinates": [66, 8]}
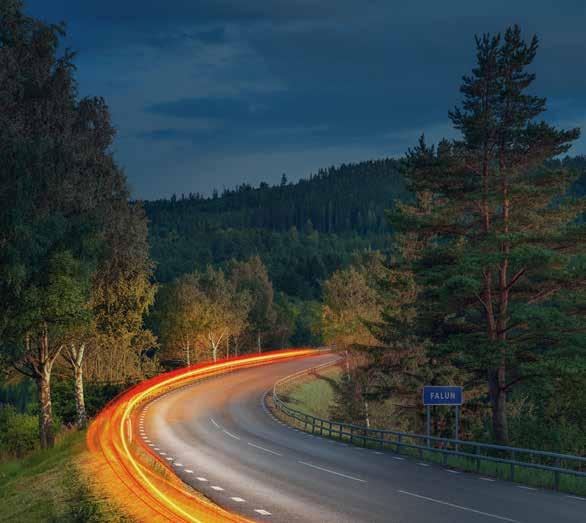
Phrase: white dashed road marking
{"type": "Point", "coordinates": [266, 450]}
{"type": "Point", "coordinates": [262, 512]}
{"type": "Point", "coordinates": [215, 487]}
{"type": "Point", "coordinates": [467, 509]}
{"type": "Point", "coordinates": [231, 435]}
{"type": "Point", "coordinates": [238, 500]}
{"type": "Point", "coordinates": [331, 472]}
{"type": "Point", "coordinates": [486, 479]}
{"type": "Point", "coordinates": [525, 488]}
{"type": "Point", "coordinates": [397, 457]}
{"type": "Point", "coordinates": [189, 471]}
{"type": "Point", "coordinates": [201, 479]}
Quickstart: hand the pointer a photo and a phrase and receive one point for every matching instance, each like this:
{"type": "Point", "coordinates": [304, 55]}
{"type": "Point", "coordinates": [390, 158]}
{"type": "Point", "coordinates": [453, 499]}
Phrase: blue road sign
{"type": "Point", "coordinates": [439, 395]}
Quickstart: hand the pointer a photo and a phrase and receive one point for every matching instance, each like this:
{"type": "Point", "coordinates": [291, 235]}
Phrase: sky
{"type": "Point", "coordinates": [213, 93]}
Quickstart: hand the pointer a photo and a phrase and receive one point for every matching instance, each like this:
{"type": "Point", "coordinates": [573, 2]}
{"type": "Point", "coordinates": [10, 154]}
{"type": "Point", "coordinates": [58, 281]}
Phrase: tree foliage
{"type": "Point", "coordinates": [501, 269]}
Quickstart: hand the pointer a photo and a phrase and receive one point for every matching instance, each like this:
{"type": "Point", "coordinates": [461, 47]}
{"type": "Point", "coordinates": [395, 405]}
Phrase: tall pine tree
{"type": "Point", "coordinates": [503, 272]}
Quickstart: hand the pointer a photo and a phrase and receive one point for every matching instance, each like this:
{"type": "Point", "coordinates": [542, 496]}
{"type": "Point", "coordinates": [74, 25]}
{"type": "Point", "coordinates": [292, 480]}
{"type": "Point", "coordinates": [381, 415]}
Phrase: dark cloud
{"type": "Point", "coordinates": [210, 93]}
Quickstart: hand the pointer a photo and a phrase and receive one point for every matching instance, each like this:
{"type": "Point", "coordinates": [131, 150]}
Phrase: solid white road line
{"type": "Point", "coordinates": [576, 497]}
{"type": "Point", "coordinates": [486, 479]}
{"type": "Point", "coordinates": [231, 435]}
{"type": "Point", "coordinates": [460, 507]}
{"type": "Point", "coordinates": [423, 464]}
{"type": "Point", "coordinates": [238, 500]}
{"type": "Point", "coordinates": [452, 471]}
{"type": "Point", "coordinates": [332, 472]}
{"type": "Point", "coordinates": [266, 450]}
{"type": "Point", "coordinates": [262, 512]}
{"type": "Point", "coordinates": [525, 488]}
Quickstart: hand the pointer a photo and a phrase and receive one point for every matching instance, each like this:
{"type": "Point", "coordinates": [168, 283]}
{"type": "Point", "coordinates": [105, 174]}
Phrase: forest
{"type": "Point", "coordinates": [461, 262]}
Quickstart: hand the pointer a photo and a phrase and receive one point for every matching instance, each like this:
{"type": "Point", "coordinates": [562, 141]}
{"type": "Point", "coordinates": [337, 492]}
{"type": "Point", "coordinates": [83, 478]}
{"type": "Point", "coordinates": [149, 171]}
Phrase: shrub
{"type": "Point", "coordinates": [19, 433]}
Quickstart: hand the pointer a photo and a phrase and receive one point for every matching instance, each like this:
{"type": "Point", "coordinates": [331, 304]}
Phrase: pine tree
{"type": "Point", "coordinates": [503, 274]}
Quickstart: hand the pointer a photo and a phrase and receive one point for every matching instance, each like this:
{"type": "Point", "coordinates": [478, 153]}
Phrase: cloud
{"type": "Point", "coordinates": [207, 93]}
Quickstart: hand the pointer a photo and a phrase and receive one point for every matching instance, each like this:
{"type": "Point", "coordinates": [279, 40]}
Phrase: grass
{"type": "Point", "coordinates": [312, 394]}
{"type": "Point", "coordinates": [49, 486]}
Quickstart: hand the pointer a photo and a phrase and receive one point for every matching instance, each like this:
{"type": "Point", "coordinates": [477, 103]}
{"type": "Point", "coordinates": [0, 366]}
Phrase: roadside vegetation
{"type": "Point", "coordinates": [51, 485]}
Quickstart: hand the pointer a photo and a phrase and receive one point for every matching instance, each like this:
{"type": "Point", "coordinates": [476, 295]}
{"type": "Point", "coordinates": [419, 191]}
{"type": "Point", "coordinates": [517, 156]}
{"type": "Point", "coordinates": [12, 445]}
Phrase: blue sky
{"type": "Point", "coordinates": [211, 93]}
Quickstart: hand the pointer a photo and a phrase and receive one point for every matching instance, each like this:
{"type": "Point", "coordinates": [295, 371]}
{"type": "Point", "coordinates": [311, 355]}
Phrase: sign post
{"type": "Point", "coordinates": [442, 395]}
{"type": "Point", "coordinates": [428, 423]}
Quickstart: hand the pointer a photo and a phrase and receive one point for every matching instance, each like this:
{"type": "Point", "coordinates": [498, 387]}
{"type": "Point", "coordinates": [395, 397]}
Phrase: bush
{"type": "Point", "coordinates": [19, 433]}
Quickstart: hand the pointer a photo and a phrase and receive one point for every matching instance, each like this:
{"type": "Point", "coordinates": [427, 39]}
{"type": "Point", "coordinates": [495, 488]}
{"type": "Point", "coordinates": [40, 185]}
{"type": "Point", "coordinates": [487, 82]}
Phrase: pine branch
{"type": "Point", "coordinates": [516, 278]}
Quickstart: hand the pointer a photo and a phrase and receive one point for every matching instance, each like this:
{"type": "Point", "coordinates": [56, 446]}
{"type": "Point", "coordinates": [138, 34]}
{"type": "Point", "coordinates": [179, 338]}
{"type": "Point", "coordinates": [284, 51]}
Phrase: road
{"type": "Point", "coordinates": [219, 438]}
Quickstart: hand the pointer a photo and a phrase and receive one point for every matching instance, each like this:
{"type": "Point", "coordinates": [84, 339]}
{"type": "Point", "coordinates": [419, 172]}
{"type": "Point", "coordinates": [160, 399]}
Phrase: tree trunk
{"type": "Point", "coordinates": [498, 399]}
{"type": "Point", "coordinates": [79, 398]}
{"type": "Point", "coordinates": [45, 412]}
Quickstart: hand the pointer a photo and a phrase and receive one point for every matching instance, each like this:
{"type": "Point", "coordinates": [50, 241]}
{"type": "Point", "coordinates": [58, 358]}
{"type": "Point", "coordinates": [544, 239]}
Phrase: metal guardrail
{"type": "Point", "coordinates": [396, 441]}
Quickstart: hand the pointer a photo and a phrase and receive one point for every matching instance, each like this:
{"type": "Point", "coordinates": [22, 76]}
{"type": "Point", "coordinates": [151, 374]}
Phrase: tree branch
{"type": "Point", "coordinates": [516, 278]}
{"type": "Point", "coordinates": [22, 371]}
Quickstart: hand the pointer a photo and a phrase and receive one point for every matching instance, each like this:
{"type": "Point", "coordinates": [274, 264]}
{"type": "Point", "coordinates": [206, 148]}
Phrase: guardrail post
{"type": "Point", "coordinates": [313, 425]}
{"type": "Point", "coordinates": [351, 435]}
{"type": "Point", "coordinates": [477, 452]}
{"type": "Point", "coordinates": [399, 444]}
{"type": "Point", "coordinates": [512, 478]}
{"type": "Point", "coordinates": [557, 474]}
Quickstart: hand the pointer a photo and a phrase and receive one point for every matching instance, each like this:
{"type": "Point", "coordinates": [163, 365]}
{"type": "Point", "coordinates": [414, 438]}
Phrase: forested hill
{"type": "Point", "coordinates": [303, 231]}
{"type": "Point", "coordinates": [336, 200]}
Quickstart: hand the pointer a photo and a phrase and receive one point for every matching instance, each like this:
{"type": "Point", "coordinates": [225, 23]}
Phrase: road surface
{"type": "Point", "coordinates": [219, 438]}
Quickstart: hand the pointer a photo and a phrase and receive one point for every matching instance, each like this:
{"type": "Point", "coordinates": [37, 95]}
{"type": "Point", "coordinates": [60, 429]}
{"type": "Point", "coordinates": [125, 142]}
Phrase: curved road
{"type": "Point", "coordinates": [219, 438]}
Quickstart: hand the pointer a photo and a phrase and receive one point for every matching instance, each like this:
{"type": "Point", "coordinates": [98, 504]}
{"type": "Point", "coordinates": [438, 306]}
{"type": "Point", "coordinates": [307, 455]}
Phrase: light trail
{"type": "Point", "coordinates": [156, 493]}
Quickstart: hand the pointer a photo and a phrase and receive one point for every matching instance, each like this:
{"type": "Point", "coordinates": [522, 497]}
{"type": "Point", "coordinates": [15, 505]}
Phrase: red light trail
{"type": "Point", "coordinates": [132, 474]}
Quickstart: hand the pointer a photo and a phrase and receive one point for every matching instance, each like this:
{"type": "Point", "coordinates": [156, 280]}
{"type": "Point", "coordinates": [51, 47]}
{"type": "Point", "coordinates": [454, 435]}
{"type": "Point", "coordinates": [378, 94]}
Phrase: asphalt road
{"type": "Point", "coordinates": [219, 438]}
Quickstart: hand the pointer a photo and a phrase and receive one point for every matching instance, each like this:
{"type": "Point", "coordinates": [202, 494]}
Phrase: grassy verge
{"type": "Point", "coordinates": [50, 486]}
{"type": "Point", "coordinates": [312, 394]}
